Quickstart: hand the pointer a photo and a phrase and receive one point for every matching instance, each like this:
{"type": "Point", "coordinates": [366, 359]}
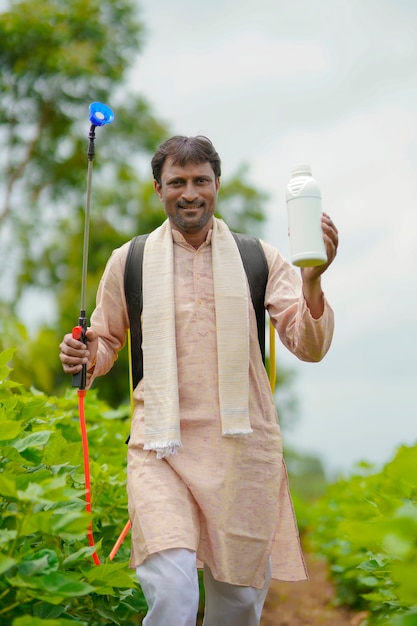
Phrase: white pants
{"type": "Point", "coordinates": [169, 583]}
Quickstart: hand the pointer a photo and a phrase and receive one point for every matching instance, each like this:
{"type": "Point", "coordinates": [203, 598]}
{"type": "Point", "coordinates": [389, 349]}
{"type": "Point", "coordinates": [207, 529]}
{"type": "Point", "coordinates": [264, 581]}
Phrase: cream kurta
{"type": "Point", "coordinates": [225, 498]}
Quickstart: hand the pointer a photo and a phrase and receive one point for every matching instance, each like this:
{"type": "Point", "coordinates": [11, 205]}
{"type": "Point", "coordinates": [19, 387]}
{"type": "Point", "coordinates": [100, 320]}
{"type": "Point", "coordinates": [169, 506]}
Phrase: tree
{"type": "Point", "coordinates": [57, 56]}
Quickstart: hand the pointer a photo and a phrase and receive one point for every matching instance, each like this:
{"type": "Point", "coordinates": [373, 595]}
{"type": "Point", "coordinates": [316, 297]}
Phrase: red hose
{"type": "Point", "coordinates": [81, 396]}
{"type": "Point", "coordinates": [119, 541]}
{"type": "Point", "coordinates": [84, 439]}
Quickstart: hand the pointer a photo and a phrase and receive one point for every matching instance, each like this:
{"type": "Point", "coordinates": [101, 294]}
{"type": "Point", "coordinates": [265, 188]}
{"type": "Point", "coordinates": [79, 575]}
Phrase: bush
{"type": "Point", "coordinates": [47, 575]}
{"type": "Point", "coordinates": [366, 526]}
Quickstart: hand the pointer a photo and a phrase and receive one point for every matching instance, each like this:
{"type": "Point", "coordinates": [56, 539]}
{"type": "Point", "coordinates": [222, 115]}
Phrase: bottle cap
{"type": "Point", "coordinates": [301, 169]}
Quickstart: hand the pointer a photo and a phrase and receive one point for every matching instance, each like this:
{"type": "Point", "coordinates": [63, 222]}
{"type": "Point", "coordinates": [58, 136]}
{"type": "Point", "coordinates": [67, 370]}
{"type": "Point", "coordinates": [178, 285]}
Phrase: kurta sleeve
{"type": "Point", "coordinates": [307, 338]}
{"type": "Point", "coordinates": [110, 318]}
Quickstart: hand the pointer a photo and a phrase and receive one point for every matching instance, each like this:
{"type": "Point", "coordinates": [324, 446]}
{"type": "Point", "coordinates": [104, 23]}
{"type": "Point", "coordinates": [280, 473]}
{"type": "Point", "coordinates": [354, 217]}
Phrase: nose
{"type": "Point", "coordinates": [190, 192]}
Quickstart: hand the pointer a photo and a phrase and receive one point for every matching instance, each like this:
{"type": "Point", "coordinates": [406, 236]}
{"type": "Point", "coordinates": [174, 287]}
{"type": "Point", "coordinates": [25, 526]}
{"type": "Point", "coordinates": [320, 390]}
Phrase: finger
{"type": "Point", "coordinates": [327, 222]}
{"type": "Point", "coordinates": [331, 248]}
{"type": "Point", "coordinates": [75, 357]}
{"type": "Point", "coordinates": [72, 346]}
{"type": "Point", "coordinates": [71, 369]}
{"type": "Point", "coordinates": [331, 236]}
{"type": "Point", "coordinates": [330, 230]}
{"type": "Point", "coordinates": [71, 361]}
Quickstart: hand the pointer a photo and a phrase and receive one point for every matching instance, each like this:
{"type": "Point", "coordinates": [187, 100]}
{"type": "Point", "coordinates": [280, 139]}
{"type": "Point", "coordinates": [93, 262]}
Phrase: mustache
{"type": "Point", "coordinates": [190, 205]}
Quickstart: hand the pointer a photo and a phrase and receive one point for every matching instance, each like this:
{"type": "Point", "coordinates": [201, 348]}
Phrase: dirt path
{"type": "Point", "coordinates": [306, 603]}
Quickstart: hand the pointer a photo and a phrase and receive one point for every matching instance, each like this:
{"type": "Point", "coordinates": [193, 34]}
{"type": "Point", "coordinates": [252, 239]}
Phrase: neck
{"type": "Point", "coordinates": [196, 238]}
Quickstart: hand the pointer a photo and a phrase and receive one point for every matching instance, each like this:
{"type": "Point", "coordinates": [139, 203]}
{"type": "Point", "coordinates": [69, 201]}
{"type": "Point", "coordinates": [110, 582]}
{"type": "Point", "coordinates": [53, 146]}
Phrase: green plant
{"type": "Point", "coordinates": [366, 526]}
{"type": "Point", "coordinates": [46, 571]}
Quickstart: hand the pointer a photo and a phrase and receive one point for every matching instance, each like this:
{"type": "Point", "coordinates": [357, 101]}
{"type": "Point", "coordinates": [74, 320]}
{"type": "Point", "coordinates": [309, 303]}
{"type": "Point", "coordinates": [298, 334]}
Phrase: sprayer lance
{"type": "Point", "coordinates": [100, 114]}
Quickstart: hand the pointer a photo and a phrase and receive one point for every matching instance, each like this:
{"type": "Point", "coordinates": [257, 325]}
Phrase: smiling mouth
{"type": "Point", "coordinates": [190, 207]}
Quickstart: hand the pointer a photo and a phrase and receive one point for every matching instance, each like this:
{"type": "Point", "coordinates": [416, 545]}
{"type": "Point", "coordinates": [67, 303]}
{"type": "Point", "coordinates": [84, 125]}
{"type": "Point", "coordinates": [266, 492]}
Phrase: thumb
{"type": "Point", "coordinates": [91, 335]}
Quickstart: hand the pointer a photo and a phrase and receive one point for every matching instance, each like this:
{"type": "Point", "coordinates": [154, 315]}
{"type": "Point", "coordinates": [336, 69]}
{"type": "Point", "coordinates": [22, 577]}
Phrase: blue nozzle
{"type": "Point", "coordinates": [100, 114]}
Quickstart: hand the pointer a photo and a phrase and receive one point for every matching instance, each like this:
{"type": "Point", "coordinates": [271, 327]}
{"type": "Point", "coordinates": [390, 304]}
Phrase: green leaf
{"type": "Point", "coordinates": [397, 546]}
{"type": "Point", "coordinates": [112, 575]}
{"type": "Point", "coordinates": [29, 620]}
{"type": "Point", "coordinates": [56, 585]}
{"type": "Point", "coordinates": [70, 524]}
{"type": "Point", "coordinates": [59, 451]}
{"type": "Point", "coordinates": [6, 536]}
{"type": "Point", "coordinates": [9, 429]}
{"type": "Point", "coordinates": [5, 357]}
{"type": "Point", "coordinates": [6, 563]}
{"type": "Point", "coordinates": [79, 555]}
{"type": "Point", "coordinates": [407, 619]}
{"type": "Point", "coordinates": [65, 585]}
{"type": "Point", "coordinates": [369, 581]}
{"type": "Point", "coordinates": [8, 488]}
{"type": "Point", "coordinates": [33, 493]}
{"type": "Point", "coordinates": [33, 407]}
{"type": "Point", "coordinates": [44, 561]}
{"type": "Point", "coordinates": [403, 468]}
{"type": "Point", "coordinates": [8, 384]}
{"type": "Point", "coordinates": [371, 565]}
{"type": "Point", "coordinates": [33, 440]}
{"type": "Point", "coordinates": [404, 577]}
{"type": "Point", "coordinates": [39, 523]}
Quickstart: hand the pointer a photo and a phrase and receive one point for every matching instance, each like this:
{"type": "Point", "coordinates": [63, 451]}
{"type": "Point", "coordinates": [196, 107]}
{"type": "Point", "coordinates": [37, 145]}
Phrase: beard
{"type": "Point", "coordinates": [186, 221]}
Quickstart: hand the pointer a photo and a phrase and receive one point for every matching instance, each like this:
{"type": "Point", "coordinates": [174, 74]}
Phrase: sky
{"type": "Point", "coordinates": [332, 83]}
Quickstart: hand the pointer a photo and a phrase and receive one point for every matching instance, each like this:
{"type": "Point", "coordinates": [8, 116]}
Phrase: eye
{"type": "Point", "coordinates": [175, 182]}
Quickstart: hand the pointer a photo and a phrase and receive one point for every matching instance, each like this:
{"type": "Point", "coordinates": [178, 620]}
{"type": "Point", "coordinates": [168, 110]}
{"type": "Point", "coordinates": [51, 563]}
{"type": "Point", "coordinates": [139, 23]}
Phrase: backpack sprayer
{"type": "Point", "coordinates": [100, 115]}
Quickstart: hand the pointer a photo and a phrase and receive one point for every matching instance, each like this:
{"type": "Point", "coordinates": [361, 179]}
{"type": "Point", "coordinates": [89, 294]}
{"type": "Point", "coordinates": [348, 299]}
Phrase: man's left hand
{"type": "Point", "coordinates": [311, 275]}
{"type": "Point", "coordinates": [331, 241]}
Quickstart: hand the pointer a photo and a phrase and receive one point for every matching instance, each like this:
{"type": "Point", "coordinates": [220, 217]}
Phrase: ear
{"type": "Point", "coordinates": [218, 183]}
{"type": "Point", "coordinates": [158, 189]}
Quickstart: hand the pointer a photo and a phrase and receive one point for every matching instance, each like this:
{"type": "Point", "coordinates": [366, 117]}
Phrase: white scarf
{"type": "Point", "coordinates": [162, 414]}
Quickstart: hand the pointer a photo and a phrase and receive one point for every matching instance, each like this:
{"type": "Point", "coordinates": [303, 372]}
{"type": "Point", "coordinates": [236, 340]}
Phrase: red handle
{"type": "Point", "coordinates": [77, 332]}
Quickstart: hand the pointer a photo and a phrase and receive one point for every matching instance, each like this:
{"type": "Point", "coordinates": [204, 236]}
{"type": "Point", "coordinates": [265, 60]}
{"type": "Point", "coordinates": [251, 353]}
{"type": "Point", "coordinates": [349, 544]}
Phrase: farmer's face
{"type": "Point", "coordinates": [189, 194]}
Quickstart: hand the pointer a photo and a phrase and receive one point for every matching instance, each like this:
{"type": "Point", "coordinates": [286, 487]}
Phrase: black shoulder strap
{"type": "Point", "coordinates": [256, 268]}
{"type": "Point", "coordinates": [134, 302]}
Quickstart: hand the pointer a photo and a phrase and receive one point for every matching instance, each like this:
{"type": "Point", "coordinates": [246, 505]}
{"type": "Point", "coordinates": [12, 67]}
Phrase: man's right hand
{"type": "Point", "coordinates": [74, 354]}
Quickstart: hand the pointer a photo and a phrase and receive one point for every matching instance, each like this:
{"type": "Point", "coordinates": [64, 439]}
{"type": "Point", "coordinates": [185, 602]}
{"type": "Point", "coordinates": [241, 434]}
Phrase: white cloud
{"type": "Point", "coordinates": [242, 61]}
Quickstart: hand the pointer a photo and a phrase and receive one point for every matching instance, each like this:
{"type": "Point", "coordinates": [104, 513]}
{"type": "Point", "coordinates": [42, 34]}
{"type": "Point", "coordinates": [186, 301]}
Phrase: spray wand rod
{"type": "Point", "coordinates": [100, 115]}
{"type": "Point", "coordinates": [90, 155]}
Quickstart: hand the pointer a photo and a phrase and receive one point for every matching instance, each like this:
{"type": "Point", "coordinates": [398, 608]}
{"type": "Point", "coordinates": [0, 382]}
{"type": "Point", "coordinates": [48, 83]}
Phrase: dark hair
{"type": "Point", "coordinates": [184, 150]}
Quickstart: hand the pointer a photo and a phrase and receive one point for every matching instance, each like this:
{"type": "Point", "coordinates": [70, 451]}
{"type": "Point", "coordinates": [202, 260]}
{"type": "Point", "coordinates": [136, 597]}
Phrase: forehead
{"type": "Point", "coordinates": [186, 170]}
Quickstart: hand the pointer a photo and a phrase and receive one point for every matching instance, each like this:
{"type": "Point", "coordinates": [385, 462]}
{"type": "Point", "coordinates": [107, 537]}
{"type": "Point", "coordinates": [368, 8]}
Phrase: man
{"type": "Point", "coordinates": [206, 480]}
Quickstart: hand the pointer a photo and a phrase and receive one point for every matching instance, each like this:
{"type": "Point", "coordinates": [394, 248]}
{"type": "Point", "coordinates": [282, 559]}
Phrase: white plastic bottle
{"type": "Point", "coordinates": [304, 218]}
